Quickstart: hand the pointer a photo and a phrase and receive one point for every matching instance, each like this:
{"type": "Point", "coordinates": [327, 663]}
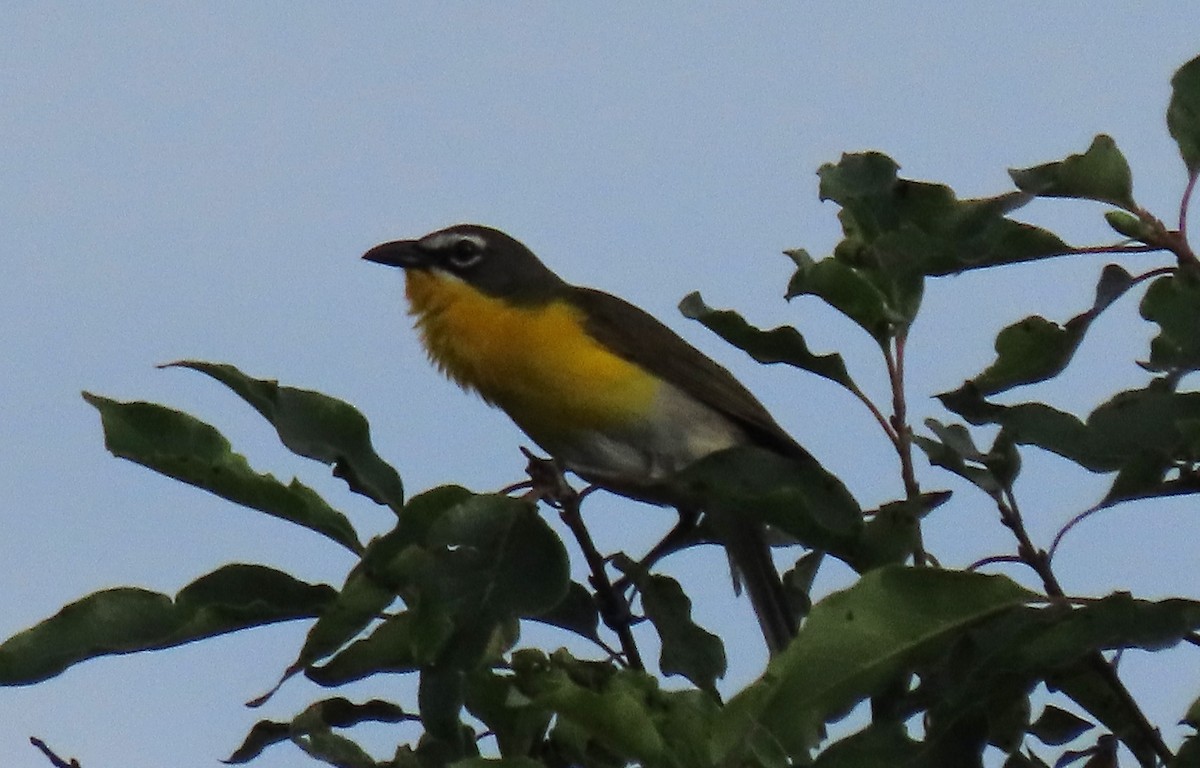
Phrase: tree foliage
{"type": "Point", "coordinates": [947, 659]}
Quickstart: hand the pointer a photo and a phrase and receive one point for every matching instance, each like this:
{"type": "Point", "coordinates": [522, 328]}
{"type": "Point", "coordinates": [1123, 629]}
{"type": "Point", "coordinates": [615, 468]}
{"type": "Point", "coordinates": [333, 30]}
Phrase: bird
{"type": "Point", "coordinates": [608, 391]}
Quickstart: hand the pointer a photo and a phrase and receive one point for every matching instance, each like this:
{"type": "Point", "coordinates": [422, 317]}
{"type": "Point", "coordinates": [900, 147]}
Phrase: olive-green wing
{"type": "Point", "coordinates": [636, 336]}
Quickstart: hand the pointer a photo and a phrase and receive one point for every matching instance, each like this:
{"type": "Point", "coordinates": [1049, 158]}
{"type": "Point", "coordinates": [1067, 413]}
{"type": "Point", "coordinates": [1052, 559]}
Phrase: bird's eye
{"type": "Point", "coordinates": [465, 253]}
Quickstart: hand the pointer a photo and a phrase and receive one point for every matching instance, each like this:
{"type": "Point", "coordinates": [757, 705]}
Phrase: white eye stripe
{"type": "Point", "coordinates": [448, 240]}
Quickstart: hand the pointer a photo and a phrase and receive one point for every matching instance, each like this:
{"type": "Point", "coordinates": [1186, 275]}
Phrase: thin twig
{"type": "Point", "coordinates": [904, 442]}
{"type": "Point", "coordinates": [1039, 561]}
{"type": "Point", "coordinates": [1155, 273]}
{"type": "Point", "coordinates": [54, 759]}
{"type": "Point", "coordinates": [1185, 202]}
{"type": "Point", "coordinates": [524, 485]}
{"type": "Point", "coordinates": [1116, 249]}
{"type": "Point", "coordinates": [993, 560]}
{"type": "Point", "coordinates": [900, 420]}
{"type": "Point", "coordinates": [879, 417]}
{"type": "Point", "coordinates": [1074, 521]}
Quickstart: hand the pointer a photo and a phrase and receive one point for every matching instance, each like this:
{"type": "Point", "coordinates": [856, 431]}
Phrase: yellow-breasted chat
{"type": "Point", "coordinates": [607, 390]}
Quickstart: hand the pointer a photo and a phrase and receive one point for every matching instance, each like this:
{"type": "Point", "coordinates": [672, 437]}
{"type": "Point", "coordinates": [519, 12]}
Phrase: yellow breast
{"type": "Point", "coordinates": [535, 362]}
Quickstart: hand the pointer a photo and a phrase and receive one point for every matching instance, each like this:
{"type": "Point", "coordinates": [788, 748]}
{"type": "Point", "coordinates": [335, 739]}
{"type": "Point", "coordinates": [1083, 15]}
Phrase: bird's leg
{"type": "Point", "coordinates": [546, 480]}
{"type": "Point", "coordinates": [686, 533]}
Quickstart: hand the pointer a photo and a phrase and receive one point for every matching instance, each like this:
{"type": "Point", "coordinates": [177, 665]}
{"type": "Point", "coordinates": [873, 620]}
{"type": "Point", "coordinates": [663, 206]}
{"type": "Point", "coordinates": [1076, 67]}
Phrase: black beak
{"type": "Point", "coordinates": [406, 254]}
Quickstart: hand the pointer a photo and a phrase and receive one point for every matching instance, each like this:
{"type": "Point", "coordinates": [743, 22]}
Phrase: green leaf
{"type": "Point", "coordinates": [1133, 429]}
{"type": "Point", "coordinates": [1036, 349]}
{"type": "Point", "coordinates": [576, 612]}
{"type": "Point", "coordinates": [335, 749]}
{"type": "Point", "coordinates": [398, 563]}
{"type": "Point", "coordinates": [1128, 225]}
{"type": "Point", "coordinates": [975, 697]}
{"type": "Point", "coordinates": [848, 290]}
{"type": "Point", "coordinates": [1116, 622]}
{"type": "Point", "coordinates": [1173, 303]}
{"type": "Point", "coordinates": [1007, 717]}
{"type": "Point", "coordinates": [1141, 477]}
{"type": "Point", "coordinates": [1055, 644]}
{"type": "Point", "coordinates": [361, 600]}
{"type": "Point", "coordinates": [499, 558]}
{"type": "Point", "coordinates": [440, 697]}
{"type": "Point", "coordinates": [1192, 717]}
{"type": "Point", "coordinates": [128, 619]}
{"type": "Point", "coordinates": [318, 427]}
{"type": "Point", "coordinates": [954, 450]}
{"type": "Point", "coordinates": [798, 580]}
{"type": "Point", "coordinates": [687, 649]}
{"type": "Point", "coordinates": [389, 647]}
{"type": "Point", "coordinates": [468, 566]}
{"type": "Point", "coordinates": [779, 345]}
{"type": "Point", "coordinates": [892, 531]}
{"type": "Point", "coordinates": [502, 762]}
{"type": "Point", "coordinates": [898, 228]}
{"type": "Point", "coordinates": [616, 707]}
{"type": "Point", "coordinates": [1057, 726]}
{"type": "Point", "coordinates": [319, 716]}
{"type": "Point", "coordinates": [1149, 420]}
{"type": "Point", "coordinates": [1034, 424]}
{"type": "Point", "coordinates": [1004, 460]}
{"type": "Point", "coordinates": [880, 745]}
{"type": "Point", "coordinates": [1188, 754]}
{"type": "Point", "coordinates": [1114, 282]}
{"type": "Point", "coordinates": [1101, 173]}
{"type": "Point", "coordinates": [265, 733]}
{"type": "Point", "coordinates": [412, 529]}
{"type": "Point", "coordinates": [798, 497]}
{"type": "Point", "coordinates": [1028, 351]}
{"type": "Point", "coordinates": [185, 448]}
{"type": "Point", "coordinates": [434, 751]}
{"type": "Point", "coordinates": [855, 643]}
{"type": "Point", "coordinates": [1183, 113]}
{"type": "Point", "coordinates": [508, 713]}
{"type": "Point", "coordinates": [1027, 760]}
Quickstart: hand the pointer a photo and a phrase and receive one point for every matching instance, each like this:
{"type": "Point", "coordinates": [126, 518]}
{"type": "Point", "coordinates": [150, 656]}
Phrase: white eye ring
{"type": "Point", "coordinates": [464, 253]}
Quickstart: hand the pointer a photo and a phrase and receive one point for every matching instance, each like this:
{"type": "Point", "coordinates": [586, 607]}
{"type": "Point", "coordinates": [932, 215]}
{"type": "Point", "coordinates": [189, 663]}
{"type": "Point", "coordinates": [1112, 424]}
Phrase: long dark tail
{"type": "Point", "coordinates": [750, 557]}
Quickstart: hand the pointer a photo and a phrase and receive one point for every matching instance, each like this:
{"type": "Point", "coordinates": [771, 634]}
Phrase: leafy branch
{"type": "Point", "coordinates": [442, 596]}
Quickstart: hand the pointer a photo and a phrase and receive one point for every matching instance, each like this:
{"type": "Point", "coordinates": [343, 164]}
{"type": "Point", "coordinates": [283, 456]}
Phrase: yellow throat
{"type": "Point", "coordinates": [535, 362]}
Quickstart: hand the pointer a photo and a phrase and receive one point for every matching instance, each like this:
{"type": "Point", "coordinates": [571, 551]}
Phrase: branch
{"type": "Point", "coordinates": [1185, 202]}
{"type": "Point", "coordinates": [550, 486]}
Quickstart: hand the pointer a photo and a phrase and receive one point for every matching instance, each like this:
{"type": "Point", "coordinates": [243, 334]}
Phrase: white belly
{"type": "Point", "coordinates": [638, 460]}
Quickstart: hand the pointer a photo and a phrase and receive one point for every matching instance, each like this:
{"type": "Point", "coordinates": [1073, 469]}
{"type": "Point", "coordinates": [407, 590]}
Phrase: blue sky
{"type": "Point", "coordinates": [198, 180]}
